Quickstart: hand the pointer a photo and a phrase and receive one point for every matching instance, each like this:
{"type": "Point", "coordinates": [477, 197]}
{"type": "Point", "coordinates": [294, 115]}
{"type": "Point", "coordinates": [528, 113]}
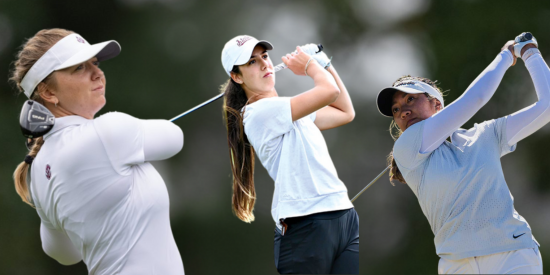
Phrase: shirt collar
{"type": "Point", "coordinates": [63, 122]}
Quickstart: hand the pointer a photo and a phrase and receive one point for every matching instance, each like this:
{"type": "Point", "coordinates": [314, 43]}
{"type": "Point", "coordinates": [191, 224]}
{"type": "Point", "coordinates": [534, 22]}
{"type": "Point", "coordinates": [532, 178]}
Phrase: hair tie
{"type": "Point", "coordinates": [29, 159]}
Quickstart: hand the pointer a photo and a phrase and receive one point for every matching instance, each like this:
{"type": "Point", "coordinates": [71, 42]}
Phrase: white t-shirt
{"type": "Point", "coordinates": [91, 182]}
{"type": "Point", "coordinates": [462, 191]}
{"type": "Point", "coordinates": [296, 157]}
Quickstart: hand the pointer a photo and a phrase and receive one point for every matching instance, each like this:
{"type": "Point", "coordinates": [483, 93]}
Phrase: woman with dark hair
{"type": "Point", "coordinates": [98, 197]}
{"type": "Point", "coordinates": [460, 184]}
{"type": "Point", "coordinates": [317, 229]}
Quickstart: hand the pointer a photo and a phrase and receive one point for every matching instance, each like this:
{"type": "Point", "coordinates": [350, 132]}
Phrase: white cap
{"type": "Point", "coordinates": [67, 52]}
{"type": "Point", "coordinates": [238, 50]}
{"type": "Point", "coordinates": [384, 100]}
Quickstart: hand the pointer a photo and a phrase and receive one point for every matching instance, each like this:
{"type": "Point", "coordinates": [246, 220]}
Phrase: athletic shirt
{"type": "Point", "coordinates": [91, 181]}
{"type": "Point", "coordinates": [296, 157]}
{"type": "Point", "coordinates": [462, 192]}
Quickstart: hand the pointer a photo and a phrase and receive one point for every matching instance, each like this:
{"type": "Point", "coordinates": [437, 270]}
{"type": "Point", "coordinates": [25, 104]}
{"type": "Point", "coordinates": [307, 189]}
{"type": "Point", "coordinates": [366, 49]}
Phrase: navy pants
{"type": "Point", "coordinates": [321, 243]}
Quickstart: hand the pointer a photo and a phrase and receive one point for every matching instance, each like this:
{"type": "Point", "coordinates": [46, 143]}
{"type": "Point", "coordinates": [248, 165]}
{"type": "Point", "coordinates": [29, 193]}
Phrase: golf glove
{"type": "Point", "coordinates": [522, 40]}
{"type": "Point", "coordinates": [319, 56]}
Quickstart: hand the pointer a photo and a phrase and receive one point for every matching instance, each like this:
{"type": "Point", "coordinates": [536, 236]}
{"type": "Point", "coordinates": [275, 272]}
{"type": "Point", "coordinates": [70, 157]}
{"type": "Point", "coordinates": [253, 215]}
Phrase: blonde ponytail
{"type": "Point", "coordinates": [21, 172]}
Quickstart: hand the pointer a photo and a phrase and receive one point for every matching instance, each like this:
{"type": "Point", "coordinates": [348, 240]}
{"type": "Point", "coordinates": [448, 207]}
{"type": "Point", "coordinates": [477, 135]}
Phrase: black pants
{"type": "Point", "coordinates": [321, 243]}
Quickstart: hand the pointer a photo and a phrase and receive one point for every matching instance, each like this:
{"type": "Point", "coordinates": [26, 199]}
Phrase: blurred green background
{"type": "Point", "coordinates": [170, 62]}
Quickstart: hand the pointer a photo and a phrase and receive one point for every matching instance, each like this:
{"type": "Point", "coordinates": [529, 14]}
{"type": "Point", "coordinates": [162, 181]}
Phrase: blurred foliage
{"type": "Point", "coordinates": [170, 62]}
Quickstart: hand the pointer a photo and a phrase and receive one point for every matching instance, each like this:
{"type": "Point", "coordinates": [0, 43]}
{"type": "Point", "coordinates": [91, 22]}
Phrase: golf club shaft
{"type": "Point", "coordinates": [368, 185]}
{"type": "Point", "coordinates": [197, 107]}
{"type": "Point", "coordinates": [275, 69]}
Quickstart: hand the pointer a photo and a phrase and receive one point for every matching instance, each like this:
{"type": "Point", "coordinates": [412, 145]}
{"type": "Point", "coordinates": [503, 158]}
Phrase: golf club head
{"type": "Point", "coordinates": [35, 120]}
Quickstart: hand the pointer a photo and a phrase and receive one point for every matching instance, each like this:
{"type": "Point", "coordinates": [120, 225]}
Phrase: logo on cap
{"type": "Point", "coordinates": [48, 172]}
{"type": "Point", "coordinates": [80, 40]}
{"type": "Point", "coordinates": [243, 40]}
{"type": "Point", "coordinates": [406, 82]}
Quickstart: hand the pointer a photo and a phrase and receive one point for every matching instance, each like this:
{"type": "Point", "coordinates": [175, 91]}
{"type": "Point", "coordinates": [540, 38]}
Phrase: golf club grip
{"type": "Point", "coordinates": [284, 66]}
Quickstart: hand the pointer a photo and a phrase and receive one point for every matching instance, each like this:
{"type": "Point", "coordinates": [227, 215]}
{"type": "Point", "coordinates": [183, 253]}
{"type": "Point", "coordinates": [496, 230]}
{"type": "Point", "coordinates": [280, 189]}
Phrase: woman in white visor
{"type": "Point", "coordinates": [317, 228]}
{"type": "Point", "coordinates": [98, 197]}
{"type": "Point", "coordinates": [460, 184]}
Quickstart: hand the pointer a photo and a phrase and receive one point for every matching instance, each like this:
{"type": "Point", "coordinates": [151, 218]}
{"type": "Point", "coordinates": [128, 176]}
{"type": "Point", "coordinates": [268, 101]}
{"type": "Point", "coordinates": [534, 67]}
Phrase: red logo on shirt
{"type": "Point", "coordinates": [243, 40]}
{"type": "Point", "coordinates": [48, 172]}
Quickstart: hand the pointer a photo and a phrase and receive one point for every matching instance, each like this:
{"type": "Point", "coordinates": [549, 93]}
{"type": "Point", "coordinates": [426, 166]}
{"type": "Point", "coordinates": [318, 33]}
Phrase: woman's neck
{"type": "Point", "coordinates": [58, 111]}
{"type": "Point", "coordinates": [253, 96]}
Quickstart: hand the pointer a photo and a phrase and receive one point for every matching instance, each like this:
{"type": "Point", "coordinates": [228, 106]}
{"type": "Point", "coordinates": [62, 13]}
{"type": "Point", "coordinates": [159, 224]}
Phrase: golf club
{"type": "Point", "coordinates": [36, 120]}
{"type": "Point", "coordinates": [275, 69]}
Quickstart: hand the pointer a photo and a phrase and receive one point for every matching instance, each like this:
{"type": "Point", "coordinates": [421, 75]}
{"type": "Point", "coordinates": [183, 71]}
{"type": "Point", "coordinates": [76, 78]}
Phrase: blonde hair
{"type": "Point", "coordinates": [30, 52]}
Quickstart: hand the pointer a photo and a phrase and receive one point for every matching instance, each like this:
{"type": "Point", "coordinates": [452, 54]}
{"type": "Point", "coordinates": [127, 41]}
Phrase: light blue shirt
{"type": "Point", "coordinates": [462, 191]}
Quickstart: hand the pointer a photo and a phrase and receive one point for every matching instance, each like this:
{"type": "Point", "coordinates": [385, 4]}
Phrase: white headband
{"type": "Point", "coordinates": [67, 52]}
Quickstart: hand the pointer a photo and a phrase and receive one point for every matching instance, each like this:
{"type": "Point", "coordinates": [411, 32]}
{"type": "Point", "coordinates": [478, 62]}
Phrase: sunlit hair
{"type": "Point", "coordinates": [241, 152]}
{"type": "Point", "coordinates": [30, 52]}
{"type": "Point", "coordinates": [395, 131]}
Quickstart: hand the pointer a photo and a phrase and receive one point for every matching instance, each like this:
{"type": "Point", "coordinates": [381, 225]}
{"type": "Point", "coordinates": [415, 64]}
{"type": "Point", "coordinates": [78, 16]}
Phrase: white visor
{"type": "Point", "coordinates": [238, 50]}
{"type": "Point", "coordinates": [384, 101]}
{"type": "Point", "coordinates": [67, 52]}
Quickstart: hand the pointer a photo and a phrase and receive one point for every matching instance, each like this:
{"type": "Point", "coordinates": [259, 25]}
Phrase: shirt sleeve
{"type": "Point", "coordinates": [129, 141]}
{"type": "Point", "coordinates": [162, 139]}
{"type": "Point", "coordinates": [502, 136]}
{"type": "Point", "coordinates": [406, 150]}
{"type": "Point", "coordinates": [58, 246]}
{"type": "Point", "coordinates": [441, 125]}
{"type": "Point", "coordinates": [525, 122]}
{"type": "Point", "coordinates": [313, 116]}
{"type": "Point", "coordinates": [267, 119]}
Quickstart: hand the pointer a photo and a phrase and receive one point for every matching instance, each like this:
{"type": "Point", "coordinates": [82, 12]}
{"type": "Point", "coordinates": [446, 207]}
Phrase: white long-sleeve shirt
{"type": "Point", "coordinates": [460, 184]}
{"type": "Point", "coordinates": [100, 200]}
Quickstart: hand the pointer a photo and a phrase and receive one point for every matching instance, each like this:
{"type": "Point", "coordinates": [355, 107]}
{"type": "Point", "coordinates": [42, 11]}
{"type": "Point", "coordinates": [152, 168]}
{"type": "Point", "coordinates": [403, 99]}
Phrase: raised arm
{"type": "Point", "coordinates": [523, 123]}
{"type": "Point", "coordinates": [339, 112]}
{"type": "Point", "coordinates": [322, 94]}
{"type": "Point", "coordinates": [441, 125]}
{"type": "Point", "coordinates": [129, 141]}
{"type": "Point", "coordinates": [57, 245]}
{"type": "Point", "coordinates": [162, 139]}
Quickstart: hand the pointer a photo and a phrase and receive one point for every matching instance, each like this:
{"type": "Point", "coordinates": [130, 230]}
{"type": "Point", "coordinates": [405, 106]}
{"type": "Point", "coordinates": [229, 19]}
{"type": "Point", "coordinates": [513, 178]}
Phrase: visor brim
{"type": "Point", "coordinates": [384, 100]}
{"type": "Point", "coordinates": [103, 51]}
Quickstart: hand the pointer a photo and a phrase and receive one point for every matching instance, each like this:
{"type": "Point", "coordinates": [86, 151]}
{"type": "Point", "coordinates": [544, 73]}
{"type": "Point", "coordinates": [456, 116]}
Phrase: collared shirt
{"type": "Point", "coordinates": [91, 181]}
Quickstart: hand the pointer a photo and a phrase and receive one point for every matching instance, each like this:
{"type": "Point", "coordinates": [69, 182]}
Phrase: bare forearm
{"type": "Point", "coordinates": [343, 102]}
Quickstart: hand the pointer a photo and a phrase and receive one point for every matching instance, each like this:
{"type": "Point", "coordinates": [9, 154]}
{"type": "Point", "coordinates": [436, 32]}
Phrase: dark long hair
{"type": "Point", "coordinates": [395, 132]}
{"type": "Point", "coordinates": [241, 152]}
